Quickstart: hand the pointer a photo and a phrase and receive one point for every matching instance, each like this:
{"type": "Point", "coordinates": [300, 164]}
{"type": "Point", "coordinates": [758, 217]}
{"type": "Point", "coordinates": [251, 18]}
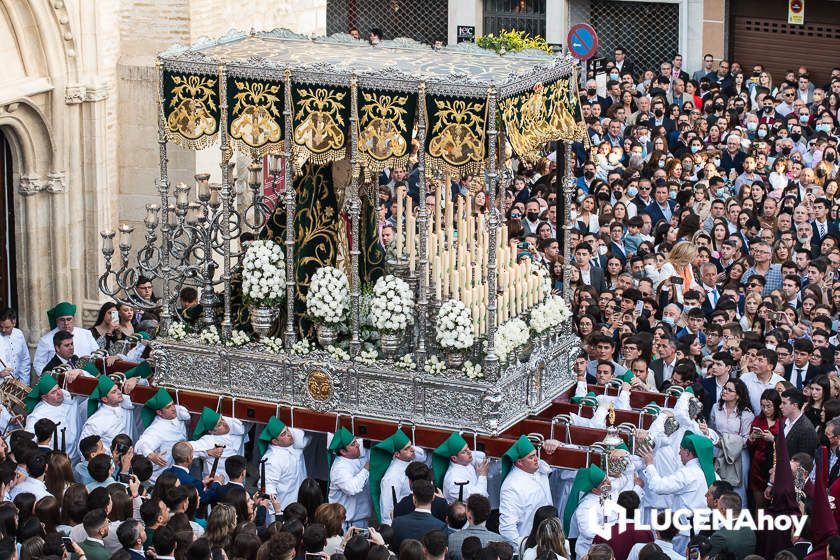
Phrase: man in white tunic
{"type": "Point", "coordinates": [583, 515]}
{"type": "Point", "coordinates": [115, 415]}
{"type": "Point", "coordinates": [14, 354]}
{"type": "Point", "coordinates": [388, 483]}
{"type": "Point", "coordinates": [48, 400]}
{"type": "Point", "coordinates": [165, 425]}
{"type": "Point", "coordinates": [61, 318]}
{"type": "Point", "coordinates": [213, 431]}
{"type": "Point", "coordinates": [349, 474]}
{"type": "Point", "coordinates": [459, 471]}
{"type": "Point", "coordinates": [281, 447]}
{"type": "Point", "coordinates": [525, 488]}
{"type": "Point", "coordinates": [687, 486]}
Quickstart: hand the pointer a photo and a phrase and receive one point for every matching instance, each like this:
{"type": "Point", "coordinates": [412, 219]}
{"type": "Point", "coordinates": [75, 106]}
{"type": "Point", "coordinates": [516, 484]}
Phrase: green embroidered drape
{"type": "Point", "coordinates": [191, 109]}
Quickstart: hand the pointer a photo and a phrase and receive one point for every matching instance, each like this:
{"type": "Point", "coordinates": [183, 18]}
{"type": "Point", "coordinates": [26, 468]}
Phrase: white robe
{"type": "Point", "coordinates": [464, 473]}
{"type": "Point", "coordinates": [83, 345]}
{"type": "Point", "coordinates": [67, 414]}
{"type": "Point", "coordinates": [522, 494]}
{"type": "Point", "coordinates": [285, 469]}
{"type": "Point", "coordinates": [686, 487]}
{"type": "Point", "coordinates": [160, 436]}
{"type": "Point", "coordinates": [349, 487]}
{"type": "Point", "coordinates": [587, 520]}
{"type": "Point", "coordinates": [395, 478]}
{"type": "Point", "coordinates": [234, 442]}
{"type": "Point", "coordinates": [15, 354]}
{"type": "Point", "coordinates": [110, 421]}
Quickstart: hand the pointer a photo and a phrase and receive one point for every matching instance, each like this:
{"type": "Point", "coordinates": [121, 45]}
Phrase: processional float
{"type": "Point", "coordinates": [315, 121]}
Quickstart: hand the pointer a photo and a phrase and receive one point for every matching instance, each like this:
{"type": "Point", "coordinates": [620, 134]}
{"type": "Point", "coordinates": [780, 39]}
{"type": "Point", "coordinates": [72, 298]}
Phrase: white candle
{"type": "Point", "coordinates": [399, 218]}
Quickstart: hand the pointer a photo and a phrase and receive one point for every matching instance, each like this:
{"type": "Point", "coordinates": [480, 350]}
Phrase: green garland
{"type": "Point", "coordinates": [513, 41]}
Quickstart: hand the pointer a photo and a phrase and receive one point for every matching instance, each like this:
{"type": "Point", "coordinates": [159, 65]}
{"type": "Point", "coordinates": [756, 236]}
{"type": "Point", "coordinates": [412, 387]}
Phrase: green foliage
{"type": "Point", "coordinates": [513, 41]}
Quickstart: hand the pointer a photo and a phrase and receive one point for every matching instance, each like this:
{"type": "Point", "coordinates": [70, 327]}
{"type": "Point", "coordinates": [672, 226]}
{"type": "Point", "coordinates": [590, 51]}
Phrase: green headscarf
{"type": "Point", "coordinates": [703, 449]}
{"type": "Point", "coordinates": [522, 448]}
{"type": "Point", "coordinates": [273, 429]}
{"type": "Point", "coordinates": [63, 309]}
{"type": "Point", "coordinates": [585, 481]}
{"type": "Point", "coordinates": [587, 396]}
{"type": "Point", "coordinates": [44, 386]}
{"type": "Point", "coordinates": [341, 439]}
{"type": "Point", "coordinates": [380, 459]}
{"type": "Point", "coordinates": [206, 422]}
{"type": "Point", "coordinates": [441, 457]}
{"type": "Point", "coordinates": [652, 408]}
{"type": "Point", "coordinates": [157, 402]}
{"type": "Point", "coordinates": [143, 370]}
{"type": "Point", "coordinates": [103, 387]}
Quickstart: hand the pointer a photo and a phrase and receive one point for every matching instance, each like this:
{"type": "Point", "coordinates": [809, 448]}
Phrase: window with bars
{"type": "Point", "coordinates": [521, 15]}
{"type": "Point", "coordinates": [422, 20]}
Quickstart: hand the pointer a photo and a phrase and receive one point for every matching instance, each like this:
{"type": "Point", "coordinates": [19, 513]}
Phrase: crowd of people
{"type": "Point", "coordinates": [703, 262]}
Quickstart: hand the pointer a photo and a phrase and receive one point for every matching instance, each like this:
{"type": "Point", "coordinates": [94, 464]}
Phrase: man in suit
{"type": "Point", "coordinates": [478, 511]}
{"type": "Point", "coordinates": [95, 523]}
{"type": "Point", "coordinates": [801, 371]}
{"type": "Point", "coordinates": [589, 274]}
{"type": "Point", "coordinates": [417, 471]}
{"type": "Point", "coordinates": [617, 248]}
{"type": "Point", "coordinates": [132, 534]}
{"type": "Point", "coordinates": [419, 522]}
{"type": "Point", "coordinates": [621, 63]}
{"type": "Point", "coordinates": [720, 370]}
{"type": "Point", "coordinates": [800, 434]}
{"type": "Point", "coordinates": [235, 469]}
{"type": "Point", "coordinates": [63, 344]}
{"type": "Point", "coordinates": [660, 116]}
{"type": "Point", "coordinates": [182, 456]}
{"type": "Point", "coordinates": [663, 367]}
{"type": "Point", "coordinates": [741, 543]}
{"type": "Point", "coordinates": [821, 225]}
{"type": "Point", "coordinates": [662, 207]}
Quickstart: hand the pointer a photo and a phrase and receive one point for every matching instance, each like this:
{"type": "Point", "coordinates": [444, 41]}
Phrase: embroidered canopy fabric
{"type": "Point", "coordinates": [278, 80]}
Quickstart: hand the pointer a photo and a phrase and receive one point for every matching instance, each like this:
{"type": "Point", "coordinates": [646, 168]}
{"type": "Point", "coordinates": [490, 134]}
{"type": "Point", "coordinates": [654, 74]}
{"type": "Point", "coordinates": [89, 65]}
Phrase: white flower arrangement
{"type": "Point", "coordinates": [558, 309]}
{"type": "Point", "coordinates": [238, 338]}
{"type": "Point", "coordinates": [545, 279]}
{"type": "Point", "coordinates": [178, 331]}
{"type": "Point", "coordinates": [337, 354]}
{"type": "Point", "coordinates": [549, 314]}
{"type": "Point", "coordinates": [453, 328]}
{"type": "Point", "coordinates": [406, 363]}
{"type": "Point", "coordinates": [301, 347]}
{"type": "Point", "coordinates": [273, 344]}
{"type": "Point", "coordinates": [367, 357]}
{"type": "Point", "coordinates": [509, 336]}
{"type": "Point", "coordinates": [210, 336]}
{"type": "Point", "coordinates": [328, 298]}
{"type": "Point", "coordinates": [473, 371]}
{"type": "Point", "coordinates": [263, 273]}
{"type": "Point", "coordinates": [434, 365]}
{"type": "Point", "coordinates": [392, 307]}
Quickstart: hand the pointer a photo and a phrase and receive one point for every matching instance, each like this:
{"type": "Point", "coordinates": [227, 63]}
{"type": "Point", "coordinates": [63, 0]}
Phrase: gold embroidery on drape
{"type": "Point", "coordinates": [319, 125]}
{"type": "Point", "coordinates": [256, 117]}
{"type": "Point", "coordinates": [456, 139]}
{"type": "Point", "coordinates": [192, 118]}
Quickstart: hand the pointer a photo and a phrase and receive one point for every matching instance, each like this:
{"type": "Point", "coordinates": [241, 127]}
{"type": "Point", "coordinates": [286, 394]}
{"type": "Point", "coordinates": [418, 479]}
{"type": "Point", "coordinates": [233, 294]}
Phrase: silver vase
{"type": "Point", "coordinates": [389, 342]}
{"type": "Point", "coordinates": [327, 334]}
{"type": "Point", "coordinates": [262, 318]}
{"type": "Point", "coordinates": [524, 352]}
{"type": "Point", "coordinates": [454, 358]}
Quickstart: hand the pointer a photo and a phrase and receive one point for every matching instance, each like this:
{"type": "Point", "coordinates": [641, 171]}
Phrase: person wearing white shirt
{"type": "Point", "coordinates": [349, 475]}
{"type": "Point", "coordinates": [61, 318]}
{"type": "Point", "coordinates": [110, 411]}
{"type": "Point", "coordinates": [394, 485]}
{"type": "Point", "coordinates": [216, 431]}
{"type": "Point", "coordinates": [459, 471]}
{"type": "Point", "coordinates": [36, 466]}
{"type": "Point", "coordinates": [14, 354]}
{"type": "Point", "coordinates": [165, 425]}
{"type": "Point", "coordinates": [763, 377]}
{"type": "Point", "coordinates": [525, 488]}
{"type": "Point", "coordinates": [48, 400]}
{"type": "Point", "coordinates": [281, 449]}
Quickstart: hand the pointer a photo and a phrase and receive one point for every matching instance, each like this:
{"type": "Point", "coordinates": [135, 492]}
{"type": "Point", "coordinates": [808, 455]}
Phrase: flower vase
{"type": "Point", "coordinates": [389, 342]}
{"type": "Point", "coordinates": [327, 334]}
{"type": "Point", "coordinates": [262, 317]}
{"type": "Point", "coordinates": [454, 358]}
{"type": "Point", "coordinates": [524, 352]}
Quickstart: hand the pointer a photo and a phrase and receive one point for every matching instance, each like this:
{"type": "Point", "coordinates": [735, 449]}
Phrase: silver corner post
{"type": "Point", "coordinates": [355, 210]}
{"type": "Point", "coordinates": [226, 203]}
{"type": "Point", "coordinates": [422, 219]}
{"type": "Point", "coordinates": [163, 190]}
{"type": "Point", "coordinates": [289, 337]}
{"type": "Point", "coordinates": [491, 360]}
{"type": "Point", "coordinates": [568, 192]}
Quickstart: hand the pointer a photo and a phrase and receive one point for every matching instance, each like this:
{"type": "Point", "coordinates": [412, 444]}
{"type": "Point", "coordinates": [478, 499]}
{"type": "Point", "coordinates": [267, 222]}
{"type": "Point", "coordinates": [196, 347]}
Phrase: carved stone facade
{"type": "Point", "coordinates": [78, 109]}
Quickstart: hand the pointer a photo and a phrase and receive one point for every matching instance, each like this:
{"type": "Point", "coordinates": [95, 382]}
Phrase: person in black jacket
{"type": "Point", "coordinates": [419, 522]}
{"type": "Point", "coordinates": [420, 471]}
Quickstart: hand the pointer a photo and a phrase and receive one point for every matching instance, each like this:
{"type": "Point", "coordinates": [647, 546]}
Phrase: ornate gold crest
{"type": "Point", "coordinates": [256, 114]}
{"type": "Point", "coordinates": [319, 124]}
{"type": "Point", "coordinates": [457, 135]}
{"type": "Point", "coordinates": [319, 385]}
{"type": "Point", "coordinates": [383, 123]}
{"type": "Point", "coordinates": [192, 101]}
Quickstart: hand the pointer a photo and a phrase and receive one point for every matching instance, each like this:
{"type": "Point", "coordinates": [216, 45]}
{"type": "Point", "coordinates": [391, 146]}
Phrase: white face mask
{"type": "Point", "coordinates": [115, 316]}
{"type": "Point", "coordinates": [602, 249]}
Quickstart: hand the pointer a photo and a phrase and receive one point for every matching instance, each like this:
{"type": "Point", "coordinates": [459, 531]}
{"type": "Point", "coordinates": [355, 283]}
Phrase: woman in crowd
{"type": "Point", "coordinates": [733, 415]}
{"type": "Point", "coordinates": [762, 436]}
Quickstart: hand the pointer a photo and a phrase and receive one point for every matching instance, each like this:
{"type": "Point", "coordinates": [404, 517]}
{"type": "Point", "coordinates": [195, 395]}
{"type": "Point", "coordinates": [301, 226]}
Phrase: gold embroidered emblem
{"type": "Point", "coordinates": [382, 124]}
{"type": "Point", "coordinates": [319, 385]}
{"type": "Point", "coordinates": [458, 135]}
{"type": "Point", "coordinates": [194, 105]}
{"type": "Point", "coordinates": [256, 114]}
{"type": "Point", "coordinates": [320, 128]}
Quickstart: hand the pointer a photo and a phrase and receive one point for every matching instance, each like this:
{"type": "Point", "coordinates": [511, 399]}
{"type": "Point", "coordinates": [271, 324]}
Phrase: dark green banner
{"type": "Point", "coordinates": [386, 121]}
{"type": "Point", "coordinates": [255, 114]}
{"type": "Point", "coordinates": [321, 117]}
{"type": "Point", "coordinates": [456, 142]}
{"type": "Point", "coordinates": [191, 109]}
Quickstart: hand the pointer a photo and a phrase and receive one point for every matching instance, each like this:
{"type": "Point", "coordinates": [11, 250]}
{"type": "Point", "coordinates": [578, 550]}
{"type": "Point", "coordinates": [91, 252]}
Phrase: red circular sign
{"type": "Point", "coordinates": [582, 41]}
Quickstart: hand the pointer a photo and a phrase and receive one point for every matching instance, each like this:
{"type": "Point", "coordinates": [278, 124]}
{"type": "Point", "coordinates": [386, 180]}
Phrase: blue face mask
{"type": "Point", "coordinates": [614, 77]}
{"type": "Point", "coordinates": [632, 191]}
{"type": "Point", "coordinates": [716, 162]}
{"type": "Point", "coordinates": [823, 127]}
{"type": "Point", "coordinates": [661, 163]}
{"type": "Point", "coordinates": [672, 195]}
{"type": "Point", "coordinates": [752, 126]}
{"type": "Point", "coordinates": [803, 119]}
{"type": "Point", "coordinates": [721, 193]}
{"type": "Point", "coordinates": [695, 149]}
{"type": "Point", "coordinates": [668, 320]}
{"type": "Point", "coordinates": [762, 133]}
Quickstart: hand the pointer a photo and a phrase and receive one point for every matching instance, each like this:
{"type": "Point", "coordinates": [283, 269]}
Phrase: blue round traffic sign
{"type": "Point", "coordinates": [582, 41]}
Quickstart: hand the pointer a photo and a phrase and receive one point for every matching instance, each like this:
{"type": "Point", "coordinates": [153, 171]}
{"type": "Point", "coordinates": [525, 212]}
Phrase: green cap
{"type": "Point", "coordinates": [341, 439]}
{"type": "Point", "coordinates": [689, 389]}
{"type": "Point", "coordinates": [273, 429]}
{"type": "Point", "coordinates": [143, 370]}
{"type": "Point", "coordinates": [157, 402]}
{"type": "Point", "coordinates": [103, 387]}
{"type": "Point", "coordinates": [380, 459]}
{"type": "Point", "coordinates": [585, 480]}
{"type": "Point", "coordinates": [578, 400]}
{"type": "Point", "coordinates": [652, 408]}
{"type": "Point", "coordinates": [522, 448]}
{"type": "Point", "coordinates": [144, 335]}
{"type": "Point", "coordinates": [63, 309]}
{"type": "Point", "coordinates": [703, 449]}
{"type": "Point", "coordinates": [206, 422]}
{"type": "Point", "coordinates": [441, 457]}
{"type": "Point", "coordinates": [627, 376]}
{"type": "Point", "coordinates": [91, 368]}
{"type": "Point", "coordinates": [44, 386]}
